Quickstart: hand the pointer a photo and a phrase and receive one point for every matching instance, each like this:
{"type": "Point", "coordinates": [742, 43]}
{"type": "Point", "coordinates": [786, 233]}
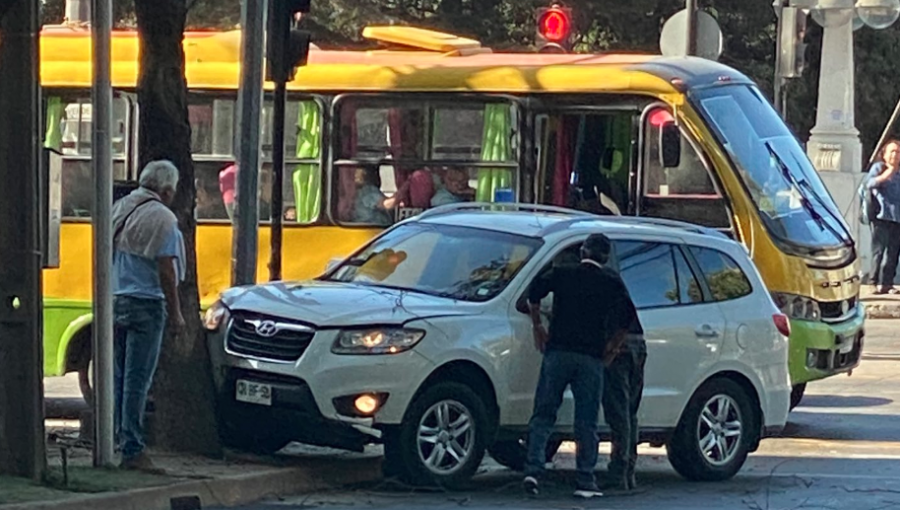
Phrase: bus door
{"type": "Point", "coordinates": [586, 157]}
{"type": "Point", "coordinates": [686, 189]}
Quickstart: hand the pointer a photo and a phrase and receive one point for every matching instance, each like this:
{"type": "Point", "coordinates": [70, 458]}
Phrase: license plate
{"type": "Point", "coordinates": [253, 393]}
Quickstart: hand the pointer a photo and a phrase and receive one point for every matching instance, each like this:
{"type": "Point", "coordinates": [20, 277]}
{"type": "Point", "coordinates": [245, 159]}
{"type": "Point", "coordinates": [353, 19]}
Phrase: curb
{"type": "Point", "coordinates": [226, 491]}
{"type": "Point", "coordinates": [882, 310]}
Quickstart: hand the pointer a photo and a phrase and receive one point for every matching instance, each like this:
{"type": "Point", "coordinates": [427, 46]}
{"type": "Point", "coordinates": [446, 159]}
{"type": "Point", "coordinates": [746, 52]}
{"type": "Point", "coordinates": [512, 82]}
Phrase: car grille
{"type": "Point", "coordinates": [833, 311]}
{"type": "Point", "coordinates": [270, 338]}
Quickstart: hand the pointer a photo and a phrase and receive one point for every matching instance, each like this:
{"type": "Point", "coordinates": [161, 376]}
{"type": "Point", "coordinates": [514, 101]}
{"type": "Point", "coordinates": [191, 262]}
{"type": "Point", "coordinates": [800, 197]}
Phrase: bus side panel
{"type": "Point", "coordinates": [63, 319]}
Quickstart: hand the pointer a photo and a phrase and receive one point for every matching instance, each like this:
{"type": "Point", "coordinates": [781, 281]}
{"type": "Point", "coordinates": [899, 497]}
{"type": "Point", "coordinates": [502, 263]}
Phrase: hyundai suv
{"type": "Point", "coordinates": [421, 341]}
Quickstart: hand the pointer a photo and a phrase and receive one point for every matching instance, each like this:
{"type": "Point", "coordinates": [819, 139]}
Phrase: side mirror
{"type": "Point", "coordinates": [670, 145]}
{"type": "Point", "coordinates": [333, 263]}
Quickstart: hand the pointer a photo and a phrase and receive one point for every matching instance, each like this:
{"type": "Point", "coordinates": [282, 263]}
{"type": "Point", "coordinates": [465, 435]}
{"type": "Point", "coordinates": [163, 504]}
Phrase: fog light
{"type": "Point", "coordinates": [366, 404]}
{"type": "Point", "coordinates": [811, 358]}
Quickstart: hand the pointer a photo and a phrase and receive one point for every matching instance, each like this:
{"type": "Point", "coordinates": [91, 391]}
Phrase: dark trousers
{"type": "Point", "coordinates": [584, 374]}
{"type": "Point", "coordinates": [622, 389]}
{"type": "Point", "coordinates": [885, 252]}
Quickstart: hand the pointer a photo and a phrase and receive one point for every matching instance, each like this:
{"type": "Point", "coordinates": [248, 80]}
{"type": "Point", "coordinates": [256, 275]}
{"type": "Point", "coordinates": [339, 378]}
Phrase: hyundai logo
{"type": "Point", "coordinates": [266, 329]}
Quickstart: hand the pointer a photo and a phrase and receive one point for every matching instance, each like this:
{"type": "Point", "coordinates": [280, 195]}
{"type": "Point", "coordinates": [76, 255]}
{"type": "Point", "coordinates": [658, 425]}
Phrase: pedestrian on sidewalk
{"type": "Point", "coordinates": [585, 321]}
{"type": "Point", "coordinates": [148, 264]}
{"type": "Point", "coordinates": [884, 183]}
{"type": "Point", "coordinates": [623, 386]}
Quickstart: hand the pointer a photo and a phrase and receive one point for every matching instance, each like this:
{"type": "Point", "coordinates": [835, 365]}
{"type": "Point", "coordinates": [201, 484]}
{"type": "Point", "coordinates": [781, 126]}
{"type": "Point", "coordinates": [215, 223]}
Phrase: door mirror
{"type": "Point", "coordinates": [670, 145]}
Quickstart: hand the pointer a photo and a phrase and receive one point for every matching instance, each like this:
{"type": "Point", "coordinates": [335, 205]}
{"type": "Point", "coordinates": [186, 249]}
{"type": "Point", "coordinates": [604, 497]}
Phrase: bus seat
{"type": "Point", "coordinates": [421, 189]}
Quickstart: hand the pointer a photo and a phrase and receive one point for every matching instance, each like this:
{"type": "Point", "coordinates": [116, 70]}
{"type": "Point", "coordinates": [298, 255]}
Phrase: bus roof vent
{"type": "Point", "coordinates": [411, 38]}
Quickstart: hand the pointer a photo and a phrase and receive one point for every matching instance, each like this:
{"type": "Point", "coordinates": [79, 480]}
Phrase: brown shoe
{"type": "Point", "coordinates": [142, 462]}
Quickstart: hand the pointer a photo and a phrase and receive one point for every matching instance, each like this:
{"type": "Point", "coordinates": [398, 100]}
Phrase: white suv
{"type": "Point", "coordinates": [421, 341]}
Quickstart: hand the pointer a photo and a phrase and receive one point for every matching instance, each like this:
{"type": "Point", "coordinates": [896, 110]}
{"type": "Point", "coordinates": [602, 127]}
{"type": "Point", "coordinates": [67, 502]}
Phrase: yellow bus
{"type": "Point", "coordinates": [375, 136]}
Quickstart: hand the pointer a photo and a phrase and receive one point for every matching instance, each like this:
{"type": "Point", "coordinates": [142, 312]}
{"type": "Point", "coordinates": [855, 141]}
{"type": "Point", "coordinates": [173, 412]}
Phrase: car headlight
{"type": "Point", "coordinates": [376, 341]}
{"type": "Point", "coordinates": [214, 316]}
{"type": "Point", "coordinates": [797, 307]}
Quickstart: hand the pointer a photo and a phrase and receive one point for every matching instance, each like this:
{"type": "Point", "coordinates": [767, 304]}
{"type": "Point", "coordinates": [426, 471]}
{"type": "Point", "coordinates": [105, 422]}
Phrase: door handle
{"type": "Point", "coordinates": [706, 331]}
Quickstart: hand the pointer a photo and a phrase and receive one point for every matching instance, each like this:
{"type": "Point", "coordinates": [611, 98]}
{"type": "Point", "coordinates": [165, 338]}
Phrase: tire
{"type": "Point", "coordinates": [512, 454]}
{"type": "Point", "coordinates": [797, 393]}
{"type": "Point", "coordinates": [447, 417]}
{"type": "Point", "coordinates": [84, 383]}
{"type": "Point", "coordinates": [684, 448]}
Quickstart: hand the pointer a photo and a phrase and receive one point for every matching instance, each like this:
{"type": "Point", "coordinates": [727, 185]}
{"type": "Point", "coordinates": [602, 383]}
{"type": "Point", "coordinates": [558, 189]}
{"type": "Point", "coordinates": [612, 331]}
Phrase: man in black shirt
{"type": "Point", "coordinates": [587, 325]}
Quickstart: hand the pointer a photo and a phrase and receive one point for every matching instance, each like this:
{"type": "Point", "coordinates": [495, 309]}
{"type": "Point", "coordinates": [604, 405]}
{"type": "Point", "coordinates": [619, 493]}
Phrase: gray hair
{"type": "Point", "coordinates": [159, 176]}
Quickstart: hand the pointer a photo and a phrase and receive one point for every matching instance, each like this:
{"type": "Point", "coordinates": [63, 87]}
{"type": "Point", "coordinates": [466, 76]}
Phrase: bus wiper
{"type": "Point", "coordinates": [845, 237]}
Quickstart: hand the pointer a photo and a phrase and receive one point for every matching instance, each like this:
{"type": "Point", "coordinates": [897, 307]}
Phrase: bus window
{"type": "Point", "coordinates": [687, 192]}
{"type": "Point", "coordinates": [75, 146]}
{"type": "Point", "coordinates": [394, 161]}
{"type": "Point", "coordinates": [585, 160]}
{"type": "Point", "coordinates": [212, 143]}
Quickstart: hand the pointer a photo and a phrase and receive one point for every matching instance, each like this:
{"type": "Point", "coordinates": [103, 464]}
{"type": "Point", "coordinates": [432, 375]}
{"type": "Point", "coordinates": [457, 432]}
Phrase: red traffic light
{"type": "Point", "coordinates": [555, 24]}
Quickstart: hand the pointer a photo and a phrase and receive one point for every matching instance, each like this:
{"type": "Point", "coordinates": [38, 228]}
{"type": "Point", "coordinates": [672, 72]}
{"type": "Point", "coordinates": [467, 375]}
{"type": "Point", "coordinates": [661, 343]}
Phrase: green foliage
{"type": "Point", "coordinates": [602, 25]}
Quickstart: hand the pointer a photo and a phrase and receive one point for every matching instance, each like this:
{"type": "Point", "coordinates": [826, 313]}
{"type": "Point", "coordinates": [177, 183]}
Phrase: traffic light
{"type": "Point", "coordinates": [554, 29]}
{"type": "Point", "coordinates": [791, 42]}
{"type": "Point", "coordinates": [286, 47]}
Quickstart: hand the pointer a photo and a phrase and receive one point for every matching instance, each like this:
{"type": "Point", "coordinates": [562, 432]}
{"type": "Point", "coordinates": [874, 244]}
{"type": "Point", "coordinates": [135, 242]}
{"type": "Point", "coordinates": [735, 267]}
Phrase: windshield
{"type": "Point", "coordinates": [794, 203]}
{"type": "Point", "coordinates": [455, 262]}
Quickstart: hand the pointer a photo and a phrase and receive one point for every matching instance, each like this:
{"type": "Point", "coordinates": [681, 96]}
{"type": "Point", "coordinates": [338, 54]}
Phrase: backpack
{"type": "Point", "coordinates": [868, 204]}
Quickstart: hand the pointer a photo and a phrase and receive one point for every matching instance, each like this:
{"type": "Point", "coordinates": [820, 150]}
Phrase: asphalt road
{"type": "Point", "coordinates": [841, 450]}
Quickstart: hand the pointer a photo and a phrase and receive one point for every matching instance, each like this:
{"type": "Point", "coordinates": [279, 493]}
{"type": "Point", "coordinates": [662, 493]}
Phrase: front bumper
{"type": "Point", "coordinates": [293, 414]}
{"type": "Point", "coordinates": [820, 350]}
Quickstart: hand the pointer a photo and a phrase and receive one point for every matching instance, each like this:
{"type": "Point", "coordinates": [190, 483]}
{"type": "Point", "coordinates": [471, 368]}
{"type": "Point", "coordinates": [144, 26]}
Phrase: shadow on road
{"type": "Point", "coordinates": [836, 401]}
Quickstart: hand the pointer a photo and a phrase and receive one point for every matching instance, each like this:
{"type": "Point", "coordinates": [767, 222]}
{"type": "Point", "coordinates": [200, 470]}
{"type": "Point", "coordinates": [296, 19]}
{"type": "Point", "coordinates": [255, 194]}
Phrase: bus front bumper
{"type": "Point", "coordinates": [820, 350]}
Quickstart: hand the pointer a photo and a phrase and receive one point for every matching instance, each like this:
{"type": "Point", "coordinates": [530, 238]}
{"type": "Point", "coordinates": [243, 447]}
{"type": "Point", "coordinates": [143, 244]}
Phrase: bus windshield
{"type": "Point", "coordinates": [794, 204]}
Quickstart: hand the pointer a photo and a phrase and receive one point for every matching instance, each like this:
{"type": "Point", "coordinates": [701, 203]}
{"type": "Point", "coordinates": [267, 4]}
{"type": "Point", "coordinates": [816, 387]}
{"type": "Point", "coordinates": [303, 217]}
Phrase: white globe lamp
{"type": "Point", "coordinates": [878, 14]}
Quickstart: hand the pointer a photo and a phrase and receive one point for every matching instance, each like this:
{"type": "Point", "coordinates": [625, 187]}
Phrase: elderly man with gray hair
{"type": "Point", "coordinates": [148, 264]}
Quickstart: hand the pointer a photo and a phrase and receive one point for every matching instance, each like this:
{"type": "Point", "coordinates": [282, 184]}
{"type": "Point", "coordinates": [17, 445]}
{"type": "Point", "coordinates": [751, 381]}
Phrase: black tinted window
{"type": "Point", "coordinates": [648, 270]}
{"type": "Point", "coordinates": [725, 278]}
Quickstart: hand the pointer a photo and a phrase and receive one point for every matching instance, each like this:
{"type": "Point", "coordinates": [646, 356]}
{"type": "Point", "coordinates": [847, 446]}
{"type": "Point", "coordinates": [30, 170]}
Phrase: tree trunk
{"type": "Point", "coordinates": [185, 405]}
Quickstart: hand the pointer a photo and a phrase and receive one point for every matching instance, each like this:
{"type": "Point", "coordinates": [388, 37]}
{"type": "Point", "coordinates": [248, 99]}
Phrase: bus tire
{"type": "Point", "coordinates": [797, 393]}
{"type": "Point", "coordinates": [512, 454]}
{"type": "Point", "coordinates": [715, 433]}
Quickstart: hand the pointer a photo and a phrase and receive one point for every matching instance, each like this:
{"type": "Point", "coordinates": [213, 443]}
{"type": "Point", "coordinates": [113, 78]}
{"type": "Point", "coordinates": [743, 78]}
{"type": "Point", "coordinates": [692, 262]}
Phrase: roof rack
{"type": "Point", "coordinates": [424, 40]}
{"type": "Point", "coordinates": [636, 220]}
{"type": "Point", "coordinates": [504, 207]}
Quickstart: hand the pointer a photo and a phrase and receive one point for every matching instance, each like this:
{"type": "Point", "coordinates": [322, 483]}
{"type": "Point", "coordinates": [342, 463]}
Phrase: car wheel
{"type": "Point", "coordinates": [443, 437]}
{"type": "Point", "coordinates": [513, 454]}
{"type": "Point", "coordinates": [716, 431]}
{"type": "Point", "coordinates": [797, 393]}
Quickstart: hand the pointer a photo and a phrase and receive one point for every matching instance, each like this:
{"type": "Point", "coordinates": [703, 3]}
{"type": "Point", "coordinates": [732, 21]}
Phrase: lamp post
{"type": "Point", "coordinates": [834, 144]}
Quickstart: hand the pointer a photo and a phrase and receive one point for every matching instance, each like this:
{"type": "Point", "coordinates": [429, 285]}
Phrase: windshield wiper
{"type": "Point", "coordinates": [845, 236]}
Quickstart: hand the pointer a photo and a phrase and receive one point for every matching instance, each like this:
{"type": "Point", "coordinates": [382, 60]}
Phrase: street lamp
{"type": "Point", "coordinates": [878, 14]}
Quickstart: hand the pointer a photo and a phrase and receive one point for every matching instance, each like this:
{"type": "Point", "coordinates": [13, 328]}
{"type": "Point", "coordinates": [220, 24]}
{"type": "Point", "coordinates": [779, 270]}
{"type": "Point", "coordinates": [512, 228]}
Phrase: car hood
{"type": "Point", "coordinates": [335, 304]}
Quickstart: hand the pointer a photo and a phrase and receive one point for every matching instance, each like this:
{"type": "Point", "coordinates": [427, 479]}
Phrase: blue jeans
{"type": "Point", "coordinates": [139, 326]}
{"type": "Point", "coordinates": [584, 374]}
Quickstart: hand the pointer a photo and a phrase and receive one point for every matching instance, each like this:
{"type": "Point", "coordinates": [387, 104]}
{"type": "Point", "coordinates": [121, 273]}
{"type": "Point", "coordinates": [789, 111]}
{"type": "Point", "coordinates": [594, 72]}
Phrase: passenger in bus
{"type": "Point", "coordinates": [228, 187]}
{"type": "Point", "coordinates": [370, 205]}
{"type": "Point", "coordinates": [290, 214]}
{"type": "Point", "coordinates": [209, 205]}
{"type": "Point", "coordinates": [454, 188]}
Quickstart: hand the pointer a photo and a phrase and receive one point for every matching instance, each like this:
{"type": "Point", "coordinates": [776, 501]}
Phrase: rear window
{"type": "Point", "coordinates": [725, 278]}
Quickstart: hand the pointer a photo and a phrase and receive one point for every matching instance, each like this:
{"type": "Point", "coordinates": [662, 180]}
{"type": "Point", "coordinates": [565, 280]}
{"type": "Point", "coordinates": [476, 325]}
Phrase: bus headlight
{"type": "Point", "coordinates": [797, 307]}
{"type": "Point", "coordinates": [214, 316]}
{"type": "Point", "coordinates": [376, 341]}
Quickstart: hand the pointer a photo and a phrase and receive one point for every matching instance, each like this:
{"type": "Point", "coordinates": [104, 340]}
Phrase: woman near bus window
{"type": "Point", "coordinates": [370, 205]}
{"type": "Point", "coordinates": [884, 181]}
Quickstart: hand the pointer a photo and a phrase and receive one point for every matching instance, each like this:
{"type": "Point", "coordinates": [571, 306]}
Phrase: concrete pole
{"type": "Point", "coordinates": [22, 446]}
{"type": "Point", "coordinates": [250, 99]}
{"type": "Point", "coordinates": [101, 145]}
{"type": "Point", "coordinates": [278, 122]}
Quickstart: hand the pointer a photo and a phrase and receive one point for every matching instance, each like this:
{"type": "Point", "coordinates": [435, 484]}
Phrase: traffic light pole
{"type": "Point", "coordinates": [691, 7]}
{"type": "Point", "coordinates": [277, 179]}
{"type": "Point", "coordinates": [22, 447]}
{"type": "Point", "coordinates": [245, 235]}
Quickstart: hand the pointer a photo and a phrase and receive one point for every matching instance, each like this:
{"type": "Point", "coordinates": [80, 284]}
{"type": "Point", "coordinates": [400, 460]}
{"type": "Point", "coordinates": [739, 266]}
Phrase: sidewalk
{"type": "Point", "coordinates": [879, 307]}
{"type": "Point", "coordinates": [235, 479]}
